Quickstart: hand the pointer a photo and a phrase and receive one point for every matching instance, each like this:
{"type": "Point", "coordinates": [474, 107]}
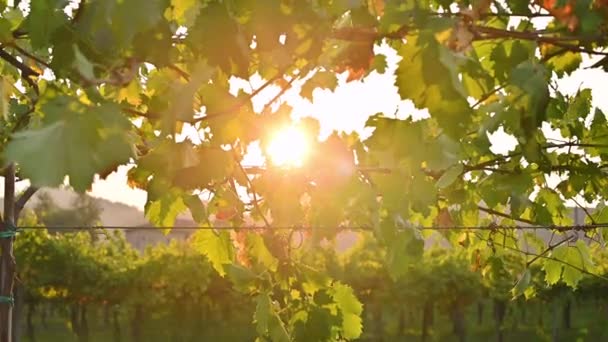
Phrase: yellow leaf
{"type": "Point", "coordinates": [131, 93]}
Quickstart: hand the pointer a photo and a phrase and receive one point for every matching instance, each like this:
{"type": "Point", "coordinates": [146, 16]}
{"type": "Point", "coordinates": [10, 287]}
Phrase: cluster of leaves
{"type": "Point", "coordinates": [89, 86]}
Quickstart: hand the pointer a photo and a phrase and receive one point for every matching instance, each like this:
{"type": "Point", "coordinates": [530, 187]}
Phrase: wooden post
{"type": "Point", "coordinates": [7, 260]}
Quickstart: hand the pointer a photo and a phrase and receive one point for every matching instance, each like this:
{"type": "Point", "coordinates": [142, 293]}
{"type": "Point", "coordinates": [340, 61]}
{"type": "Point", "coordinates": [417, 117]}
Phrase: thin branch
{"type": "Point", "coordinates": [22, 200]}
{"type": "Point", "coordinates": [487, 95]}
{"type": "Point", "coordinates": [504, 159]}
{"type": "Point", "coordinates": [180, 72]}
{"type": "Point", "coordinates": [526, 253]}
{"type": "Point", "coordinates": [492, 32]}
{"type": "Point", "coordinates": [587, 213]}
{"type": "Point", "coordinates": [78, 12]}
{"type": "Point", "coordinates": [576, 48]}
{"type": "Point", "coordinates": [26, 72]}
{"type": "Point", "coordinates": [365, 35]}
{"type": "Point", "coordinates": [210, 116]}
{"type": "Point", "coordinates": [28, 54]}
{"type": "Point", "coordinates": [237, 106]}
{"type": "Point", "coordinates": [279, 94]}
{"type": "Point", "coordinates": [251, 188]}
{"type": "Point", "coordinates": [504, 215]}
{"type": "Point", "coordinates": [547, 250]}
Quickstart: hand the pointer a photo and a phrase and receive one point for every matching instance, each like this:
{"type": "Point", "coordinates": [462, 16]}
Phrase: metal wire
{"type": "Point", "coordinates": [362, 228]}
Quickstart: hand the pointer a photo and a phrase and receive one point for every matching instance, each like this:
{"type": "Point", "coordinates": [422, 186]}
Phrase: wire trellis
{"type": "Point", "coordinates": [584, 227]}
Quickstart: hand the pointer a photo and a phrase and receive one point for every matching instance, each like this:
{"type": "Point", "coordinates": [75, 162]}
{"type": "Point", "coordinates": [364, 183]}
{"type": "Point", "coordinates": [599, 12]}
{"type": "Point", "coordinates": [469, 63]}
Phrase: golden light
{"type": "Point", "coordinates": [288, 147]}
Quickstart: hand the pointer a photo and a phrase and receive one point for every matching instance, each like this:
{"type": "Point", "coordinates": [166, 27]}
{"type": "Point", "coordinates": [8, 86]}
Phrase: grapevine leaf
{"type": "Point", "coordinates": [242, 277]}
{"type": "Point", "coordinates": [321, 79]}
{"type": "Point", "coordinates": [75, 139]}
{"type": "Point", "coordinates": [379, 64]}
{"type": "Point", "coordinates": [351, 310]}
{"type": "Point", "coordinates": [522, 284]}
{"type": "Point", "coordinates": [403, 249]}
{"type": "Point", "coordinates": [186, 11]}
{"type": "Point", "coordinates": [197, 208]}
{"type": "Point", "coordinates": [553, 271]}
{"type": "Point", "coordinates": [318, 325]}
{"type": "Point", "coordinates": [262, 313]}
{"type": "Point", "coordinates": [564, 62]}
{"type": "Point", "coordinates": [449, 176]}
{"type": "Point", "coordinates": [259, 251]}
{"type": "Point", "coordinates": [83, 65]}
{"type": "Point", "coordinates": [45, 17]}
{"type": "Point", "coordinates": [217, 247]}
{"type": "Point", "coordinates": [421, 78]}
{"type": "Point", "coordinates": [267, 321]}
{"type": "Point", "coordinates": [216, 35]}
{"type": "Point", "coordinates": [567, 262]}
{"type": "Point", "coordinates": [6, 34]}
{"type": "Point", "coordinates": [162, 210]}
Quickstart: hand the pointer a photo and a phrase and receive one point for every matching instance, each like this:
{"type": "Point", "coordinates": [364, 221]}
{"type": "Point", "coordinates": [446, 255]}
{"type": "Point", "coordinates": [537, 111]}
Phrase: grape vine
{"type": "Point", "coordinates": [90, 85]}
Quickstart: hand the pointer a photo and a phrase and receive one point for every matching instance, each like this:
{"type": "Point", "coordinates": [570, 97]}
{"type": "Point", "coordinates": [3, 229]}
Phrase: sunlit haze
{"type": "Point", "coordinates": [288, 147]}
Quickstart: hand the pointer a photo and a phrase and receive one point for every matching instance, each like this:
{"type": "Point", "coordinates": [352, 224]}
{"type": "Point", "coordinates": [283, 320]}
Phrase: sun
{"type": "Point", "coordinates": [288, 148]}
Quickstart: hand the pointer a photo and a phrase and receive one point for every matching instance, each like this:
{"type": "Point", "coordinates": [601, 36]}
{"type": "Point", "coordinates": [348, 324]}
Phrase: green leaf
{"type": "Point", "coordinates": [522, 284]}
{"type": "Point", "coordinates": [506, 56]}
{"type": "Point", "coordinates": [379, 64]}
{"type": "Point", "coordinates": [421, 77]}
{"type": "Point", "coordinates": [520, 7]}
{"type": "Point", "coordinates": [75, 139]}
{"type": "Point", "coordinates": [216, 36]}
{"type": "Point", "coordinates": [162, 209]}
{"type": "Point", "coordinates": [318, 325]}
{"type": "Point", "coordinates": [217, 247]}
{"type": "Point", "coordinates": [267, 321]}
{"type": "Point", "coordinates": [208, 165]}
{"type": "Point", "coordinates": [45, 17]}
{"type": "Point", "coordinates": [111, 26]}
{"type": "Point", "coordinates": [350, 308]}
{"type": "Point", "coordinates": [82, 64]}
{"type": "Point", "coordinates": [590, 20]}
{"type": "Point", "coordinates": [6, 34]}
{"type": "Point", "coordinates": [242, 277]}
{"type": "Point", "coordinates": [450, 176]}
{"type": "Point", "coordinates": [258, 250]}
{"type": "Point", "coordinates": [197, 208]}
{"type": "Point", "coordinates": [564, 63]}
{"type": "Point", "coordinates": [262, 313]}
{"type": "Point", "coordinates": [531, 78]}
{"type": "Point", "coordinates": [321, 79]}
{"type": "Point", "coordinates": [402, 251]}
{"type": "Point", "coordinates": [186, 11]}
{"type": "Point", "coordinates": [571, 260]}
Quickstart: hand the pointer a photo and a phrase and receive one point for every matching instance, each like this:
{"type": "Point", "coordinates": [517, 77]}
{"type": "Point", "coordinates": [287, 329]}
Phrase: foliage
{"type": "Point", "coordinates": [93, 85]}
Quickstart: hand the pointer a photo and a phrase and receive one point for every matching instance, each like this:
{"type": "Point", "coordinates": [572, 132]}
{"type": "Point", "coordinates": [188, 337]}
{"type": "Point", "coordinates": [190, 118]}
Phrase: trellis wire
{"type": "Point", "coordinates": [583, 227]}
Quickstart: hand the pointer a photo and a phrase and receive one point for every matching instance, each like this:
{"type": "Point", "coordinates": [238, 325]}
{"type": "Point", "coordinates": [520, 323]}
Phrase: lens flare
{"type": "Point", "coordinates": [288, 148]}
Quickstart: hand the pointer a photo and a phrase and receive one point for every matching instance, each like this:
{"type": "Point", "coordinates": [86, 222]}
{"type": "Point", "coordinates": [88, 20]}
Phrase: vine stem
{"type": "Point", "coordinates": [547, 250]}
{"type": "Point", "coordinates": [7, 261]}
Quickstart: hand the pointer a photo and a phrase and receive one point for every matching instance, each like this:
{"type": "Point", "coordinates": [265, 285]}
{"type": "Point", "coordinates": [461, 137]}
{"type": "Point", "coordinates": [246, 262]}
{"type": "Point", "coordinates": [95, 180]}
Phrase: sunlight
{"type": "Point", "coordinates": [288, 147]}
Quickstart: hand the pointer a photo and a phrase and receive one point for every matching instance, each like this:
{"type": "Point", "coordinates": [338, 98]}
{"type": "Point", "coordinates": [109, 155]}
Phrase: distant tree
{"type": "Point", "coordinates": [84, 212]}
